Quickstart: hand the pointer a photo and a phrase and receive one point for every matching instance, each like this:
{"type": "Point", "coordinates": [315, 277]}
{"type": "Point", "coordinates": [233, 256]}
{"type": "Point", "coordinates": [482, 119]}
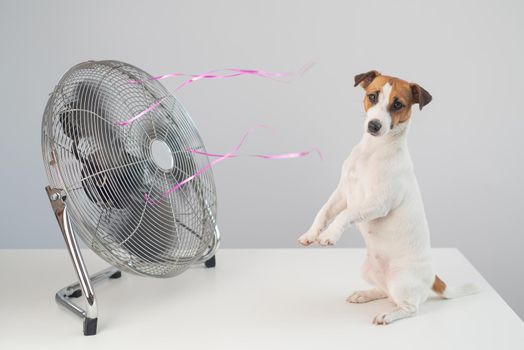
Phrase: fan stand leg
{"type": "Point", "coordinates": [83, 286]}
{"type": "Point", "coordinates": [65, 295]}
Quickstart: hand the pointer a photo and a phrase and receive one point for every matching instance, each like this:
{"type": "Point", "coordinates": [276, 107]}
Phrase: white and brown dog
{"type": "Point", "coordinates": [378, 191]}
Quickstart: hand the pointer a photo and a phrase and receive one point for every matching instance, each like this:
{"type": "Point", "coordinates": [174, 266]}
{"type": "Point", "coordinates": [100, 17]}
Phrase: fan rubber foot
{"type": "Point", "coordinates": [116, 275]}
{"type": "Point", "coordinates": [211, 262]}
{"type": "Point", "coordinates": [90, 326]}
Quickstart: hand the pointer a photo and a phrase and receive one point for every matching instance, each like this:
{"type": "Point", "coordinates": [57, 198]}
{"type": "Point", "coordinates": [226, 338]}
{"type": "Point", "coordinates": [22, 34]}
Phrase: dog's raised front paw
{"type": "Point", "coordinates": [308, 238]}
{"type": "Point", "coordinates": [327, 238]}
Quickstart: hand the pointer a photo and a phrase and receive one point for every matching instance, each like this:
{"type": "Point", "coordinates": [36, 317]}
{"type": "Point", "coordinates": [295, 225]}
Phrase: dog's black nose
{"type": "Point", "coordinates": [374, 126]}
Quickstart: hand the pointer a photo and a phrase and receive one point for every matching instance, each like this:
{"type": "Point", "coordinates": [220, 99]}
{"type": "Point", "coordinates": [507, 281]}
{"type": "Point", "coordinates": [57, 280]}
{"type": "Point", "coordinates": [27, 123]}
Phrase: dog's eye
{"type": "Point", "coordinates": [397, 105]}
{"type": "Point", "coordinates": [373, 98]}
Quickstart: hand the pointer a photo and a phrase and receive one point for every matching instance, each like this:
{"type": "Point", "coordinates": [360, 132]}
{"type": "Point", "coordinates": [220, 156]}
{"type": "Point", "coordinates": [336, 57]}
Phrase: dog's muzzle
{"type": "Point", "coordinates": [374, 127]}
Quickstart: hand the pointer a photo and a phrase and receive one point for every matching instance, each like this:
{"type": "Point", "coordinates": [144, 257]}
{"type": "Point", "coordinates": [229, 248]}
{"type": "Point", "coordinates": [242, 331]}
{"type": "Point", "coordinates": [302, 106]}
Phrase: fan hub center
{"type": "Point", "coordinates": [162, 155]}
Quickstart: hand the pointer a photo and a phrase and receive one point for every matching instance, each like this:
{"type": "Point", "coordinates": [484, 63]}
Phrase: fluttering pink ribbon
{"type": "Point", "coordinates": [210, 75]}
{"type": "Point", "coordinates": [265, 156]}
{"type": "Point", "coordinates": [236, 72]}
{"type": "Point", "coordinates": [232, 154]}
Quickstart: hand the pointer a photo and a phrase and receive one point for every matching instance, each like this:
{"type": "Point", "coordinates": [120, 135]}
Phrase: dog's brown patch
{"type": "Point", "coordinates": [438, 286]}
{"type": "Point", "coordinates": [364, 79]}
{"type": "Point", "coordinates": [401, 92]}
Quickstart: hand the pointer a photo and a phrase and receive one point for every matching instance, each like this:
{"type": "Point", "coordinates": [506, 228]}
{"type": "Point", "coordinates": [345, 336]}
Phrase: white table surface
{"type": "Point", "coordinates": [253, 299]}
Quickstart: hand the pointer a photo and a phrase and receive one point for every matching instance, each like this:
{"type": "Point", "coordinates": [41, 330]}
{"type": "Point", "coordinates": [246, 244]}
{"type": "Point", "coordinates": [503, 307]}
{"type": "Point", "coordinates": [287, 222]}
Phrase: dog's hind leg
{"type": "Point", "coordinates": [403, 311]}
{"type": "Point", "coordinates": [408, 290]}
{"type": "Point", "coordinates": [375, 277]}
{"type": "Point", "coordinates": [365, 296]}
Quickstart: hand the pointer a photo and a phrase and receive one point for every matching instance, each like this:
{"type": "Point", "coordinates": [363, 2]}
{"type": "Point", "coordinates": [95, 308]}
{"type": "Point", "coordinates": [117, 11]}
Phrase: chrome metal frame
{"type": "Point", "coordinates": [74, 290]}
{"type": "Point", "coordinates": [209, 255]}
{"type": "Point", "coordinates": [63, 296]}
{"type": "Point", "coordinates": [84, 285]}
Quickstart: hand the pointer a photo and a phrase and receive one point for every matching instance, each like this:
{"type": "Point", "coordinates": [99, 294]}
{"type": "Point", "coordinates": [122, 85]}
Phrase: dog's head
{"type": "Point", "coordinates": [388, 101]}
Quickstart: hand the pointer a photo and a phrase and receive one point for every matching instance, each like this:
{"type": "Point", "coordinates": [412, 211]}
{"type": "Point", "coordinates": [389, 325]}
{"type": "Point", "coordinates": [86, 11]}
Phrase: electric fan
{"type": "Point", "coordinates": [110, 182]}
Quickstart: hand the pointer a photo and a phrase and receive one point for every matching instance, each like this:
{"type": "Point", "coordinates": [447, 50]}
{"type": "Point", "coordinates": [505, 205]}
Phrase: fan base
{"type": "Point", "coordinates": [65, 295]}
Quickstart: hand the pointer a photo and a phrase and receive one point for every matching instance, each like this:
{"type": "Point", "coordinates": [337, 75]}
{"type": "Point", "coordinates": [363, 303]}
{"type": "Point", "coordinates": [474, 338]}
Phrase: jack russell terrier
{"type": "Point", "coordinates": [378, 191]}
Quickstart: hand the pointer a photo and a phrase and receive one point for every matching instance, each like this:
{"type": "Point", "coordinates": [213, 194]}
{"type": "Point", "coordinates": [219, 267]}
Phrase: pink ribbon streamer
{"type": "Point", "coordinates": [265, 156]}
{"type": "Point", "coordinates": [211, 75]}
{"type": "Point", "coordinates": [231, 154]}
{"type": "Point", "coordinates": [236, 72]}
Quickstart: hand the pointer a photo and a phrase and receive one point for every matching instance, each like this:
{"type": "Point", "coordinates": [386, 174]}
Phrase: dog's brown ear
{"type": "Point", "coordinates": [420, 96]}
{"type": "Point", "coordinates": [365, 79]}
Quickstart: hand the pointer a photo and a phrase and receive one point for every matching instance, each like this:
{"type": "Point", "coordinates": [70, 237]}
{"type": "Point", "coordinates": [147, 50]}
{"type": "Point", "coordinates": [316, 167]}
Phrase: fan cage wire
{"type": "Point", "coordinates": [114, 163]}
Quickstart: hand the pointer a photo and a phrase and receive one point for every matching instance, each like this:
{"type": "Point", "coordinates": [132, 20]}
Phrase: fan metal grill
{"type": "Point", "coordinates": [105, 169]}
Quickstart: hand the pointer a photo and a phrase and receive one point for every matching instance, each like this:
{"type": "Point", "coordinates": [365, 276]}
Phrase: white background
{"type": "Point", "coordinates": [466, 145]}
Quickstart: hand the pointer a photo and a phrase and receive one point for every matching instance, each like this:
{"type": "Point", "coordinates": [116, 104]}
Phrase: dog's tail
{"type": "Point", "coordinates": [447, 292]}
